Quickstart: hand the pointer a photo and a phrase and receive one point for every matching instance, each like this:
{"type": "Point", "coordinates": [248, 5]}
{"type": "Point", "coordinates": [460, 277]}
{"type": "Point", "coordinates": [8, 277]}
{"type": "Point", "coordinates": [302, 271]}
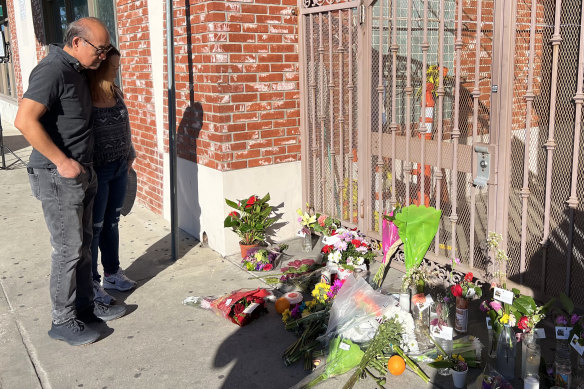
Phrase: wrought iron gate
{"type": "Point", "coordinates": [467, 106]}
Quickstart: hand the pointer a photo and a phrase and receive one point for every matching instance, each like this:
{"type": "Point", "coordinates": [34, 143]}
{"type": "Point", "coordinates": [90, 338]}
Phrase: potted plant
{"type": "Point", "coordinates": [249, 221]}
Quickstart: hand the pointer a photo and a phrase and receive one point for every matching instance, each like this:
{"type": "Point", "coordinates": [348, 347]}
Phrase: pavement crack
{"type": "Point", "coordinates": [40, 373]}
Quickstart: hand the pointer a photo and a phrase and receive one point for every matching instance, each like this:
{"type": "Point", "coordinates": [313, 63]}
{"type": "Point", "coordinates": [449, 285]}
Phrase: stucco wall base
{"type": "Point", "coordinates": [8, 108]}
{"type": "Point", "coordinates": [201, 192]}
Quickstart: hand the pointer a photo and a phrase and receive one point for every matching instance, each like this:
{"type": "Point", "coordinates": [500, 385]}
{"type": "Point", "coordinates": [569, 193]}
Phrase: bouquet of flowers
{"type": "Point", "coordinates": [326, 225]}
{"type": "Point", "coordinates": [240, 306]}
{"type": "Point", "coordinates": [347, 249]}
{"type": "Point", "coordinates": [307, 219]}
{"type": "Point", "coordinates": [310, 321]}
{"type": "Point", "coordinates": [442, 309]}
{"type": "Point", "coordinates": [466, 288]}
{"type": "Point", "coordinates": [455, 362]}
{"type": "Point", "coordinates": [260, 259]}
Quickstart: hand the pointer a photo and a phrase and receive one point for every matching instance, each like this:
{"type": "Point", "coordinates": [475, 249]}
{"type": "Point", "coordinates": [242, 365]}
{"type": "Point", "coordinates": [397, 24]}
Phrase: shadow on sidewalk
{"type": "Point", "coordinates": [156, 259]}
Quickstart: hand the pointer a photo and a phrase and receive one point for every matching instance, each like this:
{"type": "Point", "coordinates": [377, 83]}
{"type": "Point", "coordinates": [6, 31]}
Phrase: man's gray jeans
{"type": "Point", "coordinates": [67, 206]}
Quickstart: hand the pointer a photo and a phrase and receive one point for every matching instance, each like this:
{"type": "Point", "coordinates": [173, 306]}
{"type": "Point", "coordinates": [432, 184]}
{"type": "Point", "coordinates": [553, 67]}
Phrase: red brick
{"type": "Point", "coordinates": [289, 140]}
{"type": "Point", "coordinates": [247, 154]}
{"type": "Point", "coordinates": [259, 162]}
{"type": "Point", "coordinates": [260, 144]}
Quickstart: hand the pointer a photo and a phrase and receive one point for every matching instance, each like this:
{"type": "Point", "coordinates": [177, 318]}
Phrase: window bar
{"type": "Point", "coordinates": [440, 93]}
{"type": "Point", "coordinates": [456, 133]}
{"type": "Point", "coordinates": [351, 88]}
{"type": "Point", "coordinates": [408, 90]}
{"type": "Point", "coordinates": [393, 125]}
{"type": "Point", "coordinates": [379, 166]}
{"type": "Point", "coordinates": [529, 96]}
{"type": "Point", "coordinates": [322, 116]}
{"type": "Point", "coordinates": [422, 131]}
{"type": "Point", "coordinates": [476, 94]}
{"type": "Point", "coordinates": [312, 86]}
{"type": "Point", "coordinates": [550, 145]}
{"type": "Point", "coordinates": [341, 50]}
{"type": "Point", "coordinates": [331, 87]}
{"type": "Point", "coordinates": [573, 199]}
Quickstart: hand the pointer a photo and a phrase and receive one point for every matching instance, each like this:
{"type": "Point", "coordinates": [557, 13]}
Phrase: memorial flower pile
{"type": "Point", "coordinates": [260, 259]}
{"type": "Point", "coordinates": [348, 249]}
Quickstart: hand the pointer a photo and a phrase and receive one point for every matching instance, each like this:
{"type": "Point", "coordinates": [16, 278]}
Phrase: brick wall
{"type": "Point", "coordinates": [15, 56]}
{"type": "Point", "coordinates": [39, 29]}
{"type": "Point", "coordinates": [135, 46]}
{"type": "Point", "coordinates": [237, 83]}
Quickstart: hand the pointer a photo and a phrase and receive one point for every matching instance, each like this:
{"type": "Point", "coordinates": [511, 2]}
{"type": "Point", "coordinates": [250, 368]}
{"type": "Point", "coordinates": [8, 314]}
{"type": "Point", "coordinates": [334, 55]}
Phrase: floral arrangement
{"type": "Point", "coordinates": [455, 362]}
{"type": "Point", "coordinates": [417, 277]}
{"type": "Point", "coordinates": [241, 306]}
{"type": "Point", "coordinates": [250, 218]}
{"type": "Point", "coordinates": [466, 288]}
{"type": "Point", "coordinates": [494, 245]}
{"type": "Point", "coordinates": [348, 249]}
{"type": "Point", "coordinates": [297, 269]}
{"type": "Point", "coordinates": [326, 225]}
{"type": "Point", "coordinates": [442, 309]}
{"type": "Point", "coordinates": [260, 259]}
{"type": "Point", "coordinates": [323, 294]}
{"type": "Point", "coordinates": [307, 219]}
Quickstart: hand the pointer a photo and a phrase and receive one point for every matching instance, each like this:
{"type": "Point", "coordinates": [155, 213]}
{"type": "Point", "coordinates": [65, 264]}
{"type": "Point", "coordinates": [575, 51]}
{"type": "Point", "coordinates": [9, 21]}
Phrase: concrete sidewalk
{"type": "Point", "coordinates": [160, 343]}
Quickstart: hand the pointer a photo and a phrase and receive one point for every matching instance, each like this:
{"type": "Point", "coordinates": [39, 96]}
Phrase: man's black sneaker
{"type": "Point", "coordinates": [74, 332]}
{"type": "Point", "coordinates": [109, 312]}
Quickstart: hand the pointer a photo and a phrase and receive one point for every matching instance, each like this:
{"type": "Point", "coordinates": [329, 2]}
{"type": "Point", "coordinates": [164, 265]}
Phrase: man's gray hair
{"type": "Point", "coordinates": [79, 28]}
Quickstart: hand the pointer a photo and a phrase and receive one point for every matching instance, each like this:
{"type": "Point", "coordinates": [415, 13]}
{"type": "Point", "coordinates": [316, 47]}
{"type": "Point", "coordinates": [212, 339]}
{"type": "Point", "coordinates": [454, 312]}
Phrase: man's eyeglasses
{"type": "Point", "coordinates": [98, 50]}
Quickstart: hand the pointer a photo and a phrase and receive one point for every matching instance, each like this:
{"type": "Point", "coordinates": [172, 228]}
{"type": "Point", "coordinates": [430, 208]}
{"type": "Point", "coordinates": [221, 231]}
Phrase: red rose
{"type": "Point", "coordinates": [356, 242]}
{"type": "Point", "coordinates": [234, 215]}
{"type": "Point", "coordinates": [468, 277]}
{"type": "Point", "coordinates": [238, 308]}
{"type": "Point", "coordinates": [251, 201]}
{"type": "Point", "coordinates": [268, 267]}
{"type": "Point", "coordinates": [523, 323]}
{"type": "Point", "coordinates": [456, 290]}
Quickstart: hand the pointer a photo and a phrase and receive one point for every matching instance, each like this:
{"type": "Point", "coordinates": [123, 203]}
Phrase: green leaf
{"type": "Point", "coordinates": [441, 364]}
{"type": "Point", "coordinates": [567, 303]}
{"type": "Point", "coordinates": [516, 292]}
{"type": "Point", "coordinates": [232, 204]}
{"type": "Point", "coordinates": [525, 305]}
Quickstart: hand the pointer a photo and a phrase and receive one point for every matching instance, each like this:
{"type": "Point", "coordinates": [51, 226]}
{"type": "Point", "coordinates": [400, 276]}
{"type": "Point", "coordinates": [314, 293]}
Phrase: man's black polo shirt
{"type": "Point", "coordinates": [60, 84]}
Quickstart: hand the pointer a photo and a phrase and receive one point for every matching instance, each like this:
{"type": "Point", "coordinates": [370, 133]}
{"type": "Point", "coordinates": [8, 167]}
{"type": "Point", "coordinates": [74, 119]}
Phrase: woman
{"type": "Point", "coordinates": [113, 157]}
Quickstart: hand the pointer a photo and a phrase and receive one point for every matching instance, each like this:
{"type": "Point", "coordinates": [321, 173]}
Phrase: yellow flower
{"type": "Point", "coordinates": [286, 315]}
{"type": "Point", "coordinates": [505, 319]}
{"type": "Point", "coordinates": [440, 358]}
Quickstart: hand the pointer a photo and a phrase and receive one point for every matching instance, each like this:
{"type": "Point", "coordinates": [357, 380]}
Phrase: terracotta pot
{"type": "Point", "coordinates": [245, 248]}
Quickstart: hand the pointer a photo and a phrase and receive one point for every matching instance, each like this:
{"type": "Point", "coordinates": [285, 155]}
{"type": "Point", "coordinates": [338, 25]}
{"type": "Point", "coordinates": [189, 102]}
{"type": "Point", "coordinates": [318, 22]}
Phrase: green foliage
{"type": "Point", "coordinates": [251, 221]}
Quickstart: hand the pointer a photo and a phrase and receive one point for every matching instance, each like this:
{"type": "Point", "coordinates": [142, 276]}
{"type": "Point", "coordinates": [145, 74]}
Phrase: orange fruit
{"type": "Point", "coordinates": [282, 304]}
{"type": "Point", "coordinates": [396, 365]}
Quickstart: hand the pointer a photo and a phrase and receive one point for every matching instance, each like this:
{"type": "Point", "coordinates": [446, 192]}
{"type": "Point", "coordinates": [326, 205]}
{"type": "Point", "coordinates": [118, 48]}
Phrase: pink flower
{"type": "Point", "coordinates": [457, 260]}
{"type": "Point", "coordinates": [321, 220]}
{"type": "Point", "coordinates": [495, 305]}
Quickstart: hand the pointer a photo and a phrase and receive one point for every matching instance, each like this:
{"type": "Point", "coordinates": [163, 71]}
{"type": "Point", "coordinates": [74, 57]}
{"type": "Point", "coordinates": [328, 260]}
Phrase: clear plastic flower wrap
{"type": "Point", "coordinates": [358, 310]}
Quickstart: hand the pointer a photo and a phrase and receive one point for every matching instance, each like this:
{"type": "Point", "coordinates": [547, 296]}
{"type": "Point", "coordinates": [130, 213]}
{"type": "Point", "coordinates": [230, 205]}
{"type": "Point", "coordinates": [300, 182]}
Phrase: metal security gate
{"type": "Point", "coordinates": [461, 105]}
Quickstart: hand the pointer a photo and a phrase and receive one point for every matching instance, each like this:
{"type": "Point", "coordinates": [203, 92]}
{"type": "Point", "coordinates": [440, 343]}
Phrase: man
{"type": "Point", "coordinates": [54, 117]}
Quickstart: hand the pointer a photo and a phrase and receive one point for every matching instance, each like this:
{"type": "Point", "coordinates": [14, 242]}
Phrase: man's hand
{"type": "Point", "coordinates": [28, 122]}
{"type": "Point", "coordinates": [70, 168]}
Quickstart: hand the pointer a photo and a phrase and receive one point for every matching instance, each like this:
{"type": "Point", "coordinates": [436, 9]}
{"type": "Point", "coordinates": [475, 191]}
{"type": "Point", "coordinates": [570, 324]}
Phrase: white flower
{"type": "Point", "coordinates": [335, 257]}
{"type": "Point", "coordinates": [359, 261]}
{"type": "Point", "coordinates": [350, 261]}
{"type": "Point", "coordinates": [470, 293]}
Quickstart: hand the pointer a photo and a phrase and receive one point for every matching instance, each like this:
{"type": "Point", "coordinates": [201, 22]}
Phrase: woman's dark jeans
{"type": "Point", "coordinates": [111, 190]}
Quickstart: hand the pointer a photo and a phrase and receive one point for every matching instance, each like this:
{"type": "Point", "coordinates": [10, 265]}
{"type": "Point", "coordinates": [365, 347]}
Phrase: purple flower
{"type": "Point", "coordinates": [496, 305]}
{"type": "Point", "coordinates": [484, 306]}
{"type": "Point", "coordinates": [574, 319]}
{"type": "Point", "coordinates": [446, 299]}
{"type": "Point", "coordinates": [457, 260]}
{"type": "Point", "coordinates": [561, 320]}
